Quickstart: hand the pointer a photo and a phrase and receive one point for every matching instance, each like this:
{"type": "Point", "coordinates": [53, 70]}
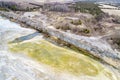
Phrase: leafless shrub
{"type": "Point", "coordinates": [57, 7]}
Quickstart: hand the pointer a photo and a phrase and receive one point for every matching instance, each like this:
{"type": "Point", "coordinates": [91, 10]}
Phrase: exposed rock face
{"type": "Point", "coordinates": [96, 46]}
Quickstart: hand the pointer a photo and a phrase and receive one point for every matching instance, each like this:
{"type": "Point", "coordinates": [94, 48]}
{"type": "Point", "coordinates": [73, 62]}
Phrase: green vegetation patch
{"type": "Point", "coordinates": [87, 7]}
{"type": "Point", "coordinates": [59, 58]}
{"type": "Point", "coordinates": [3, 9]}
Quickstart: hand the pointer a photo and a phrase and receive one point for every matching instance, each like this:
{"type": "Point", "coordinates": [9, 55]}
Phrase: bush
{"type": "Point", "coordinates": [8, 5]}
{"type": "Point", "coordinates": [76, 22]}
{"type": "Point", "coordinates": [3, 9]}
{"type": "Point", "coordinates": [63, 26]}
{"type": "Point", "coordinates": [13, 7]}
{"type": "Point", "coordinates": [86, 31]}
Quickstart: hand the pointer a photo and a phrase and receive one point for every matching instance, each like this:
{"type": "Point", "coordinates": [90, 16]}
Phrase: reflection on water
{"type": "Point", "coordinates": [26, 37]}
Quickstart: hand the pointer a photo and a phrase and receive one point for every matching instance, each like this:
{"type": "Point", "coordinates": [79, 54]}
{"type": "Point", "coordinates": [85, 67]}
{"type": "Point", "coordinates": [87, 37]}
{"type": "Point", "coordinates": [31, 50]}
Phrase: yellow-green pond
{"type": "Point", "coordinates": [62, 59]}
{"type": "Point", "coordinates": [26, 55]}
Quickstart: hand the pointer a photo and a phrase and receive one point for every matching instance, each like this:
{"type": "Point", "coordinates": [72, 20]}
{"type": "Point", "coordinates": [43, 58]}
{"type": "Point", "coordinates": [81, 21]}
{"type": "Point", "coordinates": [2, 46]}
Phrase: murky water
{"type": "Point", "coordinates": [25, 55]}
